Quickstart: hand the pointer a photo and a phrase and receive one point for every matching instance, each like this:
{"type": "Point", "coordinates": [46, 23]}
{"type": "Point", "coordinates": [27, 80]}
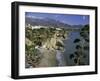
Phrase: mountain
{"type": "Point", "coordinates": [46, 22]}
{"type": "Point", "coordinates": [78, 26]}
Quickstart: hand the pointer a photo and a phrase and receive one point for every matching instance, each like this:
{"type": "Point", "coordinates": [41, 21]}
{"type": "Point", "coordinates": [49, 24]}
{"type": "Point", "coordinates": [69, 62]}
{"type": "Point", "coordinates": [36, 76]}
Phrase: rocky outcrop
{"type": "Point", "coordinates": [47, 48]}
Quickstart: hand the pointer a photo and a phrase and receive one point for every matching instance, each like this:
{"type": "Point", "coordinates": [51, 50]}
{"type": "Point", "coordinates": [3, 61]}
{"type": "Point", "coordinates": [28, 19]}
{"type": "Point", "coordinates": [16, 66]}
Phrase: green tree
{"type": "Point", "coordinates": [81, 46]}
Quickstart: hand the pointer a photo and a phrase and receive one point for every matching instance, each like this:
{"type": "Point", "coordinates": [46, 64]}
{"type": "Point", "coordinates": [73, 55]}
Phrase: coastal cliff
{"type": "Point", "coordinates": [41, 45]}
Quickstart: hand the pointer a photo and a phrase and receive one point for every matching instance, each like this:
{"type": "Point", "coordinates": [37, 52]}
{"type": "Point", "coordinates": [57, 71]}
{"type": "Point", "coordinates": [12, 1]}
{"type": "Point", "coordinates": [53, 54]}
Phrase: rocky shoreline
{"type": "Point", "coordinates": [48, 55]}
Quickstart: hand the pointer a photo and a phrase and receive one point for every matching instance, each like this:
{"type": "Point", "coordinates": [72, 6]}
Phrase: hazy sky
{"type": "Point", "coordinates": [65, 18]}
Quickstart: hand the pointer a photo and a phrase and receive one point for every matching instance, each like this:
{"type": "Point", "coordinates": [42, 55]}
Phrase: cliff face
{"type": "Point", "coordinates": [49, 52]}
{"type": "Point", "coordinates": [46, 41]}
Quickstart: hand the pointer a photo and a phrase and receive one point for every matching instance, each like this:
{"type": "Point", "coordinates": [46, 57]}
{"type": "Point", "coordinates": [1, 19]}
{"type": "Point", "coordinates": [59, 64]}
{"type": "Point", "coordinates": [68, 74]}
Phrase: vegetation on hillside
{"type": "Point", "coordinates": [36, 38]}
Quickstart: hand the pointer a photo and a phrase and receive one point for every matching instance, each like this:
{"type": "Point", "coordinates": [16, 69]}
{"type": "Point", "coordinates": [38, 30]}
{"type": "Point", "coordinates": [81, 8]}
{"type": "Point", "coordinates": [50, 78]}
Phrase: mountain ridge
{"type": "Point", "coordinates": [49, 23]}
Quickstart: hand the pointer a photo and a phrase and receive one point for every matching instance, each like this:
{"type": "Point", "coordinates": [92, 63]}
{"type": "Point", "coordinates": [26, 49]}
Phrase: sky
{"type": "Point", "coordinates": [70, 19]}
